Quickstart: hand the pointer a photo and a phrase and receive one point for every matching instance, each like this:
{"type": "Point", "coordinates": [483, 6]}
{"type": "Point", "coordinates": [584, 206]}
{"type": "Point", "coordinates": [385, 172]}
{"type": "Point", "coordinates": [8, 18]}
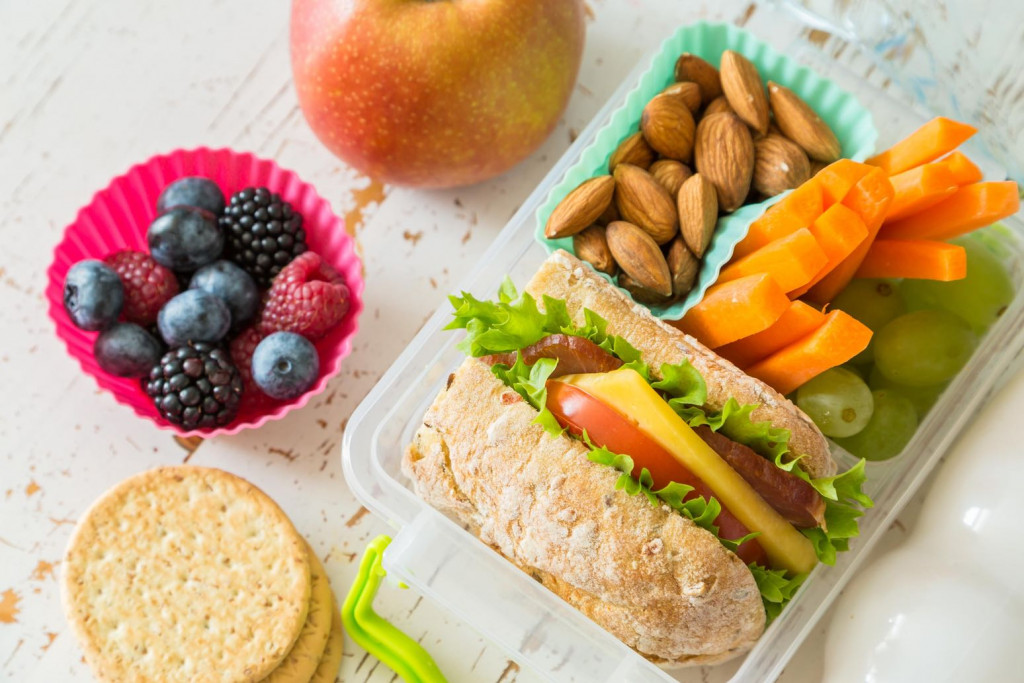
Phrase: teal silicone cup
{"type": "Point", "coordinates": [847, 117]}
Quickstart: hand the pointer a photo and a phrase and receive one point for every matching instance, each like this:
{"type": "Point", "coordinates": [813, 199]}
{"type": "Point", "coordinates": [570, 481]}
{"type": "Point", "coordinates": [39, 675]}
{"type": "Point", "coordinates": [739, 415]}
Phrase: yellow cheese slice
{"type": "Point", "coordinates": [630, 394]}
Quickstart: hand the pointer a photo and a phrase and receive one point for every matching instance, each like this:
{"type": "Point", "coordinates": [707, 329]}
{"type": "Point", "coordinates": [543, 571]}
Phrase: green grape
{"type": "Point", "coordinates": [872, 302]}
{"type": "Point", "coordinates": [859, 370]}
{"type": "Point", "coordinates": [923, 348]}
{"type": "Point", "coordinates": [838, 401]}
{"type": "Point", "coordinates": [923, 398]}
{"type": "Point", "coordinates": [890, 428]}
{"type": "Point", "coordinates": [979, 298]}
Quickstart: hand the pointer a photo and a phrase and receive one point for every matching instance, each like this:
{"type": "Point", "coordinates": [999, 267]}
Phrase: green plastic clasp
{"type": "Point", "coordinates": [397, 651]}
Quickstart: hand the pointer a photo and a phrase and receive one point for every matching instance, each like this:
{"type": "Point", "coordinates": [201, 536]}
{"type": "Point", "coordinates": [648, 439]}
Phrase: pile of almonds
{"type": "Point", "coordinates": [650, 221]}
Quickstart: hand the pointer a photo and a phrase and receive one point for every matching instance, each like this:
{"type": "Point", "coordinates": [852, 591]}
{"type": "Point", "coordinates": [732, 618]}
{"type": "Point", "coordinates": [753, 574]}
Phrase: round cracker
{"type": "Point", "coordinates": [185, 574]}
{"type": "Point", "coordinates": [330, 663]}
{"type": "Point", "coordinates": [304, 657]}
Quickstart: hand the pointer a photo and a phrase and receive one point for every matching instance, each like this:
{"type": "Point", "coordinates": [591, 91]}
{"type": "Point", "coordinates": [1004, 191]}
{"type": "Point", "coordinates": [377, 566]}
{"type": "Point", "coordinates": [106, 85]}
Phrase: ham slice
{"type": "Point", "coordinates": [792, 497]}
{"type": "Point", "coordinates": [575, 355]}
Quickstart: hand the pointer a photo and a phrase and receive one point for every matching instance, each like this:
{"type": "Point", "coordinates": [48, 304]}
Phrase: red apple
{"type": "Point", "coordinates": [434, 93]}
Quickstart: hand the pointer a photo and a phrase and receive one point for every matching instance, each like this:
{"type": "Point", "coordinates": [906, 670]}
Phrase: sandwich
{"type": "Point", "coordinates": [674, 500]}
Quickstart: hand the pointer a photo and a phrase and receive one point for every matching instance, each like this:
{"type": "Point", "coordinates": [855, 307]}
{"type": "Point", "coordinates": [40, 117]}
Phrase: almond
{"type": "Point", "coordinates": [683, 266]}
{"type": "Point", "coordinates": [610, 214]}
{"type": "Point", "coordinates": [724, 154]}
{"type": "Point", "coordinates": [688, 91]}
{"type": "Point", "coordinates": [718, 105]}
{"type": "Point", "coordinates": [645, 203]}
{"type": "Point", "coordinates": [779, 165]}
{"type": "Point", "coordinates": [633, 150]}
{"type": "Point", "coordinates": [592, 246]}
{"type": "Point", "coordinates": [668, 127]}
{"type": "Point", "coordinates": [802, 125]}
{"type": "Point", "coordinates": [671, 174]}
{"type": "Point", "coordinates": [693, 68]}
{"type": "Point", "coordinates": [639, 257]}
{"type": "Point", "coordinates": [641, 294]}
{"type": "Point", "coordinates": [698, 213]}
{"type": "Point", "coordinates": [816, 166]}
{"type": "Point", "coordinates": [580, 208]}
{"type": "Point", "coordinates": [743, 88]}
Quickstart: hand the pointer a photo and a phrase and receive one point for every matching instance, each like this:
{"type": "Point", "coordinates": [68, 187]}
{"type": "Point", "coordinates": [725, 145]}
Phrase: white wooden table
{"type": "Point", "coordinates": [89, 87]}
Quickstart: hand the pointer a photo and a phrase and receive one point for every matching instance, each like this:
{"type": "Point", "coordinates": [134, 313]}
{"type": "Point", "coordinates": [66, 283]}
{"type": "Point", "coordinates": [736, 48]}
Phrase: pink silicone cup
{"type": "Point", "coordinates": [117, 218]}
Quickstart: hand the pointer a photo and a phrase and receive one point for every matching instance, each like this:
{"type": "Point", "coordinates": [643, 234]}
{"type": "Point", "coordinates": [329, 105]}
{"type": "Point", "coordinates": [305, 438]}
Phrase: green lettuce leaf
{"type": "Point", "coordinates": [844, 500]}
{"type": "Point", "coordinates": [840, 527]}
{"type": "Point", "coordinates": [687, 392]}
{"type": "Point", "coordinates": [682, 384]}
{"type": "Point", "coordinates": [769, 441]}
{"type": "Point", "coordinates": [497, 327]}
{"type": "Point", "coordinates": [776, 588]}
{"type": "Point", "coordinates": [515, 321]}
{"type": "Point", "coordinates": [702, 511]}
{"type": "Point", "coordinates": [529, 381]}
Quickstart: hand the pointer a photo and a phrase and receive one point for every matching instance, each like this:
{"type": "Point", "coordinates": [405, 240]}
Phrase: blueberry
{"type": "Point", "coordinates": [232, 284]}
{"type": "Point", "coordinates": [127, 350]}
{"type": "Point", "coordinates": [285, 365]}
{"type": "Point", "coordinates": [194, 191]}
{"type": "Point", "coordinates": [193, 316]}
{"type": "Point", "coordinates": [93, 295]}
{"type": "Point", "coordinates": [185, 238]}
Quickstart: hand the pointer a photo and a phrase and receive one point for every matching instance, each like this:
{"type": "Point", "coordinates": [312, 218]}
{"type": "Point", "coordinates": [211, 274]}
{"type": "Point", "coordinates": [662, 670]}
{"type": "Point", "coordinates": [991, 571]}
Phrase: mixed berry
{"type": "Point", "coordinates": [223, 310]}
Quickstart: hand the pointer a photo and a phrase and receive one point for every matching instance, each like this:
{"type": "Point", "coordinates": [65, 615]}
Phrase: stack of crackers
{"type": "Point", "coordinates": [193, 574]}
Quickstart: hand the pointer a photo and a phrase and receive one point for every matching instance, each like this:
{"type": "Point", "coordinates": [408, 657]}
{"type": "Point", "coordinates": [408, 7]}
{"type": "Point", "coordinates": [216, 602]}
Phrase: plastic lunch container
{"type": "Point", "coordinates": [441, 560]}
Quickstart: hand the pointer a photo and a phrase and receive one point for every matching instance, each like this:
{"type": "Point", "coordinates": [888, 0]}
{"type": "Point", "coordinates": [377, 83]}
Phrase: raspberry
{"type": "Point", "coordinates": [147, 285]}
{"type": "Point", "coordinates": [242, 347]}
{"type": "Point", "coordinates": [307, 297]}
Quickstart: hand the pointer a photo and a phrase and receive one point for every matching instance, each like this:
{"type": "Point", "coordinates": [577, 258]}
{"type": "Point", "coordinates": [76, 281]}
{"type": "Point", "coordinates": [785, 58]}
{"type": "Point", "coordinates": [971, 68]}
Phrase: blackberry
{"type": "Point", "coordinates": [263, 233]}
{"type": "Point", "coordinates": [195, 386]}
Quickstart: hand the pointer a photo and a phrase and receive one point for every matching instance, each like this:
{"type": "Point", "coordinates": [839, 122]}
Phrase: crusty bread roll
{"type": "Point", "coordinates": [651, 577]}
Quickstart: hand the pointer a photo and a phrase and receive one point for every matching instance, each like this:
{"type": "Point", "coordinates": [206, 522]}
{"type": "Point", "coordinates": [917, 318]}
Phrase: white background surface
{"type": "Point", "coordinates": [89, 87]}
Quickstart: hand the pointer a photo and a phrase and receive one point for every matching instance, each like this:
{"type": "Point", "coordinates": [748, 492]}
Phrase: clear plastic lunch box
{"type": "Point", "coordinates": [446, 563]}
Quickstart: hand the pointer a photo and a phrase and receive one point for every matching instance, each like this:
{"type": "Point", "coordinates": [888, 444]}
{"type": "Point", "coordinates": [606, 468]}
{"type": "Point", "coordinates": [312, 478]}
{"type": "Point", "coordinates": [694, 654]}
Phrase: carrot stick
{"type": "Point", "coordinates": [837, 340]}
{"type": "Point", "coordinates": [839, 230]}
{"type": "Point", "coordinates": [869, 199]}
{"type": "Point", "coordinates": [838, 178]}
{"type": "Point", "coordinates": [970, 207]}
{"type": "Point", "coordinates": [797, 322]}
{"type": "Point", "coordinates": [796, 210]}
{"type": "Point", "coordinates": [919, 259]}
{"type": "Point", "coordinates": [792, 260]}
{"type": "Point", "coordinates": [735, 309]}
{"type": "Point", "coordinates": [919, 188]}
{"type": "Point", "coordinates": [963, 169]}
{"type": "Point", "coordinates": [929, 142]}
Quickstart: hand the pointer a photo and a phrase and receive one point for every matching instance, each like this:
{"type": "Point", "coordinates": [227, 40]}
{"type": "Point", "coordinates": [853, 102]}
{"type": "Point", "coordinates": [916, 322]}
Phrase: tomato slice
{"type": "Point", "coordinates": [576, 410]}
